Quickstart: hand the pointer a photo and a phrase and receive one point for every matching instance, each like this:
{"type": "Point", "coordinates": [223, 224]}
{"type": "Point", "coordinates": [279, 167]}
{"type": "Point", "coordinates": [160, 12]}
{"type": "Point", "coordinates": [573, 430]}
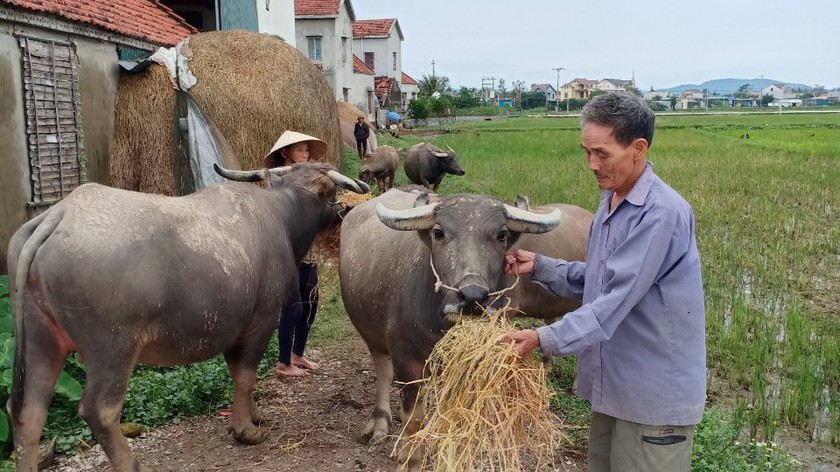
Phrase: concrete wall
{"type": "Point", "coordinates": [336, 34]}
{"type": "Point", "coordinates": [383, 50]}
{"type": "Point", "coordinates": [277, 19]}
{"type": "Point", "coordinates": [98, 75]}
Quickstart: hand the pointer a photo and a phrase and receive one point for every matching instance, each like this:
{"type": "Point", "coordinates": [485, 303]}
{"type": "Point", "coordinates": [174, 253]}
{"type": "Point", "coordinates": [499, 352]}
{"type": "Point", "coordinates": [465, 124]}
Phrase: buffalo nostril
{"type": "Point", "coordinates": [473, 294]}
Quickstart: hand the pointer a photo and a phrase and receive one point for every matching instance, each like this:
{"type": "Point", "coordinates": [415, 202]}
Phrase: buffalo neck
{"type": "Point", "coordinates": [300, 215]}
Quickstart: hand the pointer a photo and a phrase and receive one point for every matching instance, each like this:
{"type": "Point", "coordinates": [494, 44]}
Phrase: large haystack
{"type": "Point", "coordinates": [252, 86]}
{"type": "Point", "coordinates": [347, 116]}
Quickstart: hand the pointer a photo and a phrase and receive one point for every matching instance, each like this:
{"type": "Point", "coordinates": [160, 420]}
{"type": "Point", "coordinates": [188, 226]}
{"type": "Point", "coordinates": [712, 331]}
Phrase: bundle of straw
{"type": "Point", "coordinates": [487, 406]}
{"type": "Point", "coordinates": [325, 248]}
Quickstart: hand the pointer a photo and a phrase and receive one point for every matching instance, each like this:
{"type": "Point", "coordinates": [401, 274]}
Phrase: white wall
{"type": "Point", "coordinates": [278, 19]}
{"type": "Point", "coordinates": [336, 48]}
{"type": "Point", "coordinates": [383, 50]}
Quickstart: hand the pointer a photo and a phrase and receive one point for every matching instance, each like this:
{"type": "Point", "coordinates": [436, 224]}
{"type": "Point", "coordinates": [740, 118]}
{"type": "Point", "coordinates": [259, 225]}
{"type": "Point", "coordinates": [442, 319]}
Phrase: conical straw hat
{"type": "Point", "coordinates": [317, 148]}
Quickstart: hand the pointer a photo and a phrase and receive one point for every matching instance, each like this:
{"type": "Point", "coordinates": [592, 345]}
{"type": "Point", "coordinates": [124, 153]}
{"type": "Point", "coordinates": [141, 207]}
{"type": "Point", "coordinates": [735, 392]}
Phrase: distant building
{"type": "Point", "coordinates": [547, 89]}
{"type": "Point", "coordinates": [275, 17]}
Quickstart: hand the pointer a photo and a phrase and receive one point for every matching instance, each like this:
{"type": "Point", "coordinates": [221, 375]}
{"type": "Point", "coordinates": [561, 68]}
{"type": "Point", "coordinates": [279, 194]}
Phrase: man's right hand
{"type": "Point", "coordinates": [520, 262]}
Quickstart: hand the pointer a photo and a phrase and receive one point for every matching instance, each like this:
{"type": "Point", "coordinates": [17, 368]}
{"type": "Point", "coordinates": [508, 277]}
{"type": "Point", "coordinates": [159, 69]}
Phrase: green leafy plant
{"type": "Point", "coordinates": [67, 386]}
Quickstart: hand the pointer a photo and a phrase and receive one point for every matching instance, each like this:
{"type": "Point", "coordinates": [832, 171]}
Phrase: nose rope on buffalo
{"type": "Point", "coordinates": [439, 284]}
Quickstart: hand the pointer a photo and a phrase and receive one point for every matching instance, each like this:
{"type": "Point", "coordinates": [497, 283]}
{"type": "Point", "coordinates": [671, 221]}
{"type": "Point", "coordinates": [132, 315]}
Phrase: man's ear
{"type": "Point", "coordinates": [640, 147]}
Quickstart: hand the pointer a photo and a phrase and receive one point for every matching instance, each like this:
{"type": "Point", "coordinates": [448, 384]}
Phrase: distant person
{"type": "Point", "coordinates": [298, 314]}
{"type": "Point", "coordinates": [362, 133]}
{"type": "Point", "coordinates": [640, 333]}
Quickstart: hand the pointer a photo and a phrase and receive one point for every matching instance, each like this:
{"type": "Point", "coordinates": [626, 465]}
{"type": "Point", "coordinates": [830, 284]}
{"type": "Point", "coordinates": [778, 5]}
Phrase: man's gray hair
{"type": "Point", "coordinates": [628, 115]}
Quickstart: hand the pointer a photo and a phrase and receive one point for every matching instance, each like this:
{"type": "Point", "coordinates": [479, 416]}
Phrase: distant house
{"type": "Point", "coordinates": [578, 89]}
{"type": "Point", "coordinates": [547, 89]}
{"type": "Point", "coordinates": [59, 81]}
{"type": "Point", "coordinates": [613, 85]}
{"type": "Point", "coordinates": [378, 43]}
{"type": "Point", "coordinates": [363, 79]}
{"type": "Point", "coordinates": [324, 34]}
{"type": "Point", "coordinates": [276, 17]}
{"type": "Point", "coordinates": [410, 88]}
{"type": "Point", "coordinates": [778, 91]}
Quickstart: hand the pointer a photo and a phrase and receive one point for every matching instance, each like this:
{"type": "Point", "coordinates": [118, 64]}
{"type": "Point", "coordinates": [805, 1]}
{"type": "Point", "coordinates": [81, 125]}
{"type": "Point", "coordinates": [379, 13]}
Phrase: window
{"type": "Point", "coordinates": [343, 50]}
{"type": "Point", "coordinates": [369, 60]}
{"type": "Point", "coordinates": [346, 94]}
{"type": "Point", "coordinates": [395, 62]}
{"type": "Point", "coordinates": [314, 47]}
{"type": "Point", "coordinates": [52, 110]}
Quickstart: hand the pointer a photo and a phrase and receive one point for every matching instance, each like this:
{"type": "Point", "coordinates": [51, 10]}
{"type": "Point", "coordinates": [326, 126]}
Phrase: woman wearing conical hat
{"type": "Point", "coordinates": [298, 314]}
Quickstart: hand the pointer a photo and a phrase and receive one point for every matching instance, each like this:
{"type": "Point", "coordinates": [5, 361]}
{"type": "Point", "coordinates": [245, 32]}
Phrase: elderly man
{"type": "Point", "coordinates": [362, 133]}
{"type": "Point", "coordinates": [640, 333]}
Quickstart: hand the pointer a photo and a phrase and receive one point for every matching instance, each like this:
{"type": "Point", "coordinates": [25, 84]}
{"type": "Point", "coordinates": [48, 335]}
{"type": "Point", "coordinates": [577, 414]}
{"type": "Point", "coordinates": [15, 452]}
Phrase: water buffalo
{"type": "Point", "coordinates": [425, 164]}
{"type": "Point", "coordinates": [566, 241]}
{"type": "Point", "coordinates": [381, 168]}
{"type": "Point", "coordinates": [444, 258]}
{"type": "Point", "coordinates": [124, 277]}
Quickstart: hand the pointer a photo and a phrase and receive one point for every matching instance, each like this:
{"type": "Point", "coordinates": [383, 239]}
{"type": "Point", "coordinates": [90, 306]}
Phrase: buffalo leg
{"type": "Point", "coordinates": [102, 402]}
{"type": "Point", "coordinates": [412, 413]}
{"type": "Point", "coordinates": [242, 361]}
{"type": "Point", "coordinates": [377, 426]}
{"type": "Point", "coordinates": [28, 410]}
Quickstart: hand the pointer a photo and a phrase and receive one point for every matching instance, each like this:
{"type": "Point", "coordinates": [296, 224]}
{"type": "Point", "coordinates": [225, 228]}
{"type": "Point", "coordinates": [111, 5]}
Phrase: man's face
{"type": "Point", "coordinates": [615, 166]}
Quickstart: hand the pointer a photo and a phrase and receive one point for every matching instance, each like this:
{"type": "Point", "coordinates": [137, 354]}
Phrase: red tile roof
{"type": "Point", "coordinates": [408, 80]}
{"type": "Point", "coordinates": [383, 87]}
{"type": "Point", "coordinates": [360, 67]}
{"type": "Point", "coordinates": [317, 7]}
{"type": "Point", "coordinates": [146, 20]}
{"type": "Point", "coordinates": [369, 28]}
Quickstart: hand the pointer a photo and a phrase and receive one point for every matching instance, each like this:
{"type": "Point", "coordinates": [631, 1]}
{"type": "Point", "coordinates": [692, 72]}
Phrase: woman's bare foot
{"type": "Point", "coordinates": [290, 370]}
{"type": "Point", "coordinates": [302, 361]}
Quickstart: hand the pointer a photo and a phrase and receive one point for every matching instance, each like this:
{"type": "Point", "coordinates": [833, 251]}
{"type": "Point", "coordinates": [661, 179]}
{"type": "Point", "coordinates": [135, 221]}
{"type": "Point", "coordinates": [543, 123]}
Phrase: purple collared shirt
{"type": "Point", "coordinates": [640, 333]}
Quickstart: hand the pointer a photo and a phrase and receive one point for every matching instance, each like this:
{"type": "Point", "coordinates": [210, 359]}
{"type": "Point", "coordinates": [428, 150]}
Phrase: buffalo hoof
{"type": "Point", "coordinates": [249, 436]}
{"type": "Point", "coordinates": [376, 437]}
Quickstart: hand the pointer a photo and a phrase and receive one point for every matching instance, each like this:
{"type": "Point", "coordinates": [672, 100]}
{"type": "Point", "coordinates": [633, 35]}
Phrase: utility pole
{"type": "Point", "coordinates": [433, 67]}
{"type": "Point", "coordinates": [557, 90]}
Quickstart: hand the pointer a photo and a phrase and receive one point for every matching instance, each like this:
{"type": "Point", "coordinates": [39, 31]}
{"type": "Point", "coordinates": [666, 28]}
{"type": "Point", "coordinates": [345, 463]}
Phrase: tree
{"type": "Point", "coordinates": [501, 90]}
{"type": "Point", "coordinates": [635, 91]}
{"type": "Point", "coordinates": [673, 102]}
{"type": "Point", "coordinates": [743, 91]}
{"type": "Point", "coordinates": [430, 84]}
{"type": "Point", "coordinates": [767, 99]}
{"type": "Point", "coordinates": [466, 98]}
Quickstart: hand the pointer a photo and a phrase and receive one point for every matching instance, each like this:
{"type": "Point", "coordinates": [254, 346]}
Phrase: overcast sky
{"type": "Point", "coordinates": [665, 43]}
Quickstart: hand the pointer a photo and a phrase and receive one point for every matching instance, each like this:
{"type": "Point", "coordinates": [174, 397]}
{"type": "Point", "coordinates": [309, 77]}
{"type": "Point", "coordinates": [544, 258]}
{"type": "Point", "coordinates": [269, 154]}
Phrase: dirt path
{"type": "Point", "coordinates": [312, 426]}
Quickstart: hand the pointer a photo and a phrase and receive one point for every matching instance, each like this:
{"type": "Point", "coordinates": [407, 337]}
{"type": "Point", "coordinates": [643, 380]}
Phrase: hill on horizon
{"type": "Point", "coordinates": [728, 86]}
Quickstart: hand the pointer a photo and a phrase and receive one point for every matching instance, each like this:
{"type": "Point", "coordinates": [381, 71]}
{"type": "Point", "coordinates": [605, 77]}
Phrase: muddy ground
{"type": "Point", "coordinates": [312, 423]}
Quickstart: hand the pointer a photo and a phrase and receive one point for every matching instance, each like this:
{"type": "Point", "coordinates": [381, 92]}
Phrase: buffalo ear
{"type": "Point", "coordinates": [521, 202]}
{"type": "Point", "coordinates": [422, 199]}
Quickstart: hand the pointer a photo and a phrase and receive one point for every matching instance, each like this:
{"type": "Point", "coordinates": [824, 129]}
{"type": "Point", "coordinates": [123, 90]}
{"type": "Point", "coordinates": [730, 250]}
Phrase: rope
{"type": "Point", "coordinates": [439, 284]}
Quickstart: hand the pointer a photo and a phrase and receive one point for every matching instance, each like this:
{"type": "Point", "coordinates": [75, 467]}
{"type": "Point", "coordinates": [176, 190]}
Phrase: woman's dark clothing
{"type": "Point", "coordinates": [362, 133]}
{"type": "Point", "coordinates": [298, 314]}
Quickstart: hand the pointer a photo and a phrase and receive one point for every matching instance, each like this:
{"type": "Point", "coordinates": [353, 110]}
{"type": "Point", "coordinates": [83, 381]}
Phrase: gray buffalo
{"type": "Point", "coordinates": [425, 164]}
{"type": "Point", "coordinates": [123, 277]}
{"type": "Point", "coordinates": [381, 168]}
{"type": "Point", "coordinates": [444, 258]}
{"type": "Point", "coordinates": [566, 241]}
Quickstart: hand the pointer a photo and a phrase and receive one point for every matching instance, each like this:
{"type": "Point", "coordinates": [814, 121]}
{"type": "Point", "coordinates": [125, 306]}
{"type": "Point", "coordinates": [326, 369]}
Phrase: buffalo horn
{"type": "Point", "coordinates": [450, 149]}
{"type": "Point", "coordinates": [346, 182]}
{"type": "Point", "coordinates": [280, 171]}
{"type": "Point", "coordinates": [439, 154]}
{"type": "Point", "coordinates": [411, 219]}
{"type": "Point", "coordinates": [240, 175]}
{"type": "Point", "coordinates": [529, 222]}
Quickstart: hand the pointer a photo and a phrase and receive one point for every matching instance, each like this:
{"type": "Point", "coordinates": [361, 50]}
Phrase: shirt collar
{"type": "Point", "coordinates": [638, 194]}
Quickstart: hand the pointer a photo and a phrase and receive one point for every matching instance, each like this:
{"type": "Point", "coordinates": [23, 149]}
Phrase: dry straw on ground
{"type": "Point", "coordinates": [488, 408]}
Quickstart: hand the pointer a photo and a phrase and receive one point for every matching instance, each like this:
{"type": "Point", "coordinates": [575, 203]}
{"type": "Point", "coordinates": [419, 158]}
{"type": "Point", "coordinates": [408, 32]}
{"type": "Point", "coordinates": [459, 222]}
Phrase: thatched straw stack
{"type": "Point", "coordinates": [487, 406]}
{"type": "Point", "coordinates": [252, 86]}
{"type": "Point", "coordinates": [347, 113]}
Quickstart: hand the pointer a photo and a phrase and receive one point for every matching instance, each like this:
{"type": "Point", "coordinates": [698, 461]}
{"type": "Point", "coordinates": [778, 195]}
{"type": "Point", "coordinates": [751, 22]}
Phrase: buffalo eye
{"type": "Point", "coordinates": [437, 233]}
{"type": "Point", "coordinates": [503, 235]}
